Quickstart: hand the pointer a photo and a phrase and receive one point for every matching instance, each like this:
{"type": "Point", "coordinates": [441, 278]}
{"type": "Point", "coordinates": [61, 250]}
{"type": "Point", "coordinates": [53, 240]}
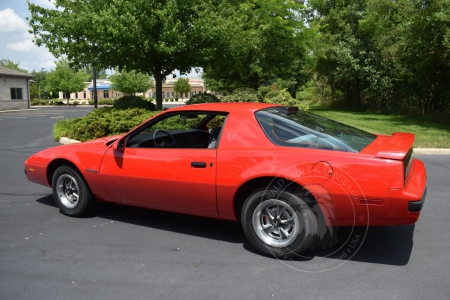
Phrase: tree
{"type": "Point", "coordinates": [383, 54]}
{"type": "Point", "coordinates": [182, 86]}
{"type": "Point", "coordinates": [11, 65]}
{"type": "Point", "coordinates": [34, 91]}
{"type": "Point", "coordinates": [65, 79]}
{"type": "Point", "coordinates": [260, 41]}
{"type": "Point", "coordinates": [151, 36]}
{"type": "Point", "coordinates": [131, 82]}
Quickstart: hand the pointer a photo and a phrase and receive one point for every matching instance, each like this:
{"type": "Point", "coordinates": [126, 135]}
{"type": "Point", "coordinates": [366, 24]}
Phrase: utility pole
{"type": "Point", "coordinates": [42, 77]}
{"type": "Point", "coordinates": [94, 81]}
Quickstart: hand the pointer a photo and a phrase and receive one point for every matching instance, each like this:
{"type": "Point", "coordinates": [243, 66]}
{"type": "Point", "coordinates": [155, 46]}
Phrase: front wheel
{"type": "Point", "coordinates": [71, 193]}
{"type": "Point", "coordinates": [278, 224]}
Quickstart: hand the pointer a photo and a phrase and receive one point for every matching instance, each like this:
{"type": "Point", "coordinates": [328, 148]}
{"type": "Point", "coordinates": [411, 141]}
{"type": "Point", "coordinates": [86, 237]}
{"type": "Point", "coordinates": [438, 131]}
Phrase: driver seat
{"type": "Point", "coordinates": [215, 132]}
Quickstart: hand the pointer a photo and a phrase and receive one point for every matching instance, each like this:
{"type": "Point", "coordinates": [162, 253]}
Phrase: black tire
{"type": "Point", "coordinates": [288, 234]}
{"type": "Point", "coordinates": [71, 193]}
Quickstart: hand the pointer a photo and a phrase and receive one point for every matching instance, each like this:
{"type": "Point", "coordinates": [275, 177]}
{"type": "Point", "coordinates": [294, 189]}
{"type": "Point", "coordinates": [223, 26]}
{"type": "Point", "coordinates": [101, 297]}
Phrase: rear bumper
{"type": "Point", "coordinates": [415, 206]}
{"type": "Point", "coordinates": [404, 205]}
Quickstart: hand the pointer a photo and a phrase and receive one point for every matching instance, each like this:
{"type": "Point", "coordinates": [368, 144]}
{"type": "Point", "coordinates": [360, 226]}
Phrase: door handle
{"type": "Point", "coordinates": [197, 164]}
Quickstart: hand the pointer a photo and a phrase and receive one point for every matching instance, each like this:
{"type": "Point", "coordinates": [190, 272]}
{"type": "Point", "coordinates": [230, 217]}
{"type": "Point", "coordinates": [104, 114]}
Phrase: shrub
{"type": "Point", "coordinates": [106, 102]}
{"type": "Point", "coordinates": [91, 102]}
{"type": "Point", "coordinates": [101, 122]}
{"type": "Point", "coordinates": [202, 98]}
{"type": "Point", "coordinates": [243, 95]}
{"type": "Point", "coordinates": [262, 91]}
{"type": "Point", "coordinates": [283, 97]}
{"type": "Point", "coordinates": [133, 102]}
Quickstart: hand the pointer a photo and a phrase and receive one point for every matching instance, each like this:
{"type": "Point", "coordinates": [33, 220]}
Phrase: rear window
{"type": "Point", "coordinates": [303, 129]}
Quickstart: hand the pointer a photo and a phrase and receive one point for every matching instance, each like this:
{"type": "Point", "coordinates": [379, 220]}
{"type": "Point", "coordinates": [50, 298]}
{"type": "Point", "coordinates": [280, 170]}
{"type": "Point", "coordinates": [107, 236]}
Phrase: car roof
{"type": "Point", "coordinates": [226, 107]}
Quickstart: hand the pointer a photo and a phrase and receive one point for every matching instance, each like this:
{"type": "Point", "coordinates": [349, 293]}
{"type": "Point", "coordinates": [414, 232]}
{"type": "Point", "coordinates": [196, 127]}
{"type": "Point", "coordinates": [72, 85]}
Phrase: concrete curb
{"type": "Point", "coordinates": [431, 151]}
{"type": "Point", "coordinates": [67, 141]}
{"type": "Point", "coordinates": [418, 151]}
{"type": "Point", "coordinates": [16, 110]}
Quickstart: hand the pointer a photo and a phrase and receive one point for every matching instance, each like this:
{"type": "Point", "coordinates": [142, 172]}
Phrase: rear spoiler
{"type": "Point", "coordinates": [396, 146]}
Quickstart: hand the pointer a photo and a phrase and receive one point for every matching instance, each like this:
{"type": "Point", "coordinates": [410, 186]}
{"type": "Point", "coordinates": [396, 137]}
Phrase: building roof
{"type": "Point", "coordinates": [101, 85]}
{"type": "Point", "coordinates": [14, 73]}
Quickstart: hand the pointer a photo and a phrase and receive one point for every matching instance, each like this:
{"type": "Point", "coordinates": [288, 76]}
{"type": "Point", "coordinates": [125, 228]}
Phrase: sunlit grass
{"type": "Point", "coordinates": [428, 134]}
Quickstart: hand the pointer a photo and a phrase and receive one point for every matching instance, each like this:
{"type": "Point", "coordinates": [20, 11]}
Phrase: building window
{"type": "Point", "coordinates": [76, 95]}
{"type": "Point", "coordinates": [16, 94]}
{"type": "Point", "coordinates": [84, 94]}
{"type": "Point", "coordinates": [173, 94]}
{"type": "Point", "coordinates": [106, 94]}
{"type": "Point", "coordinates": [149, 94]}
{"type": "Point", "coordinates": [186, 95]}
{"type": "Point", "coordinates": [168, 94]}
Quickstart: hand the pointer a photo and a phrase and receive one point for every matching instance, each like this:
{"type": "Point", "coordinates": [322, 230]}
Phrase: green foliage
{"type": "Point", "coordinates": [182, 86]}
{"type": "Point", "coordinates": [65, 79]}
{"type": "Point", "coordinates": [153, 37]}
{"type": "Point", "coordinates": [34, 91]}
{"type": "Point", "coordinates": [11, 65]}
{"type": "Point", "coordinates": [203, 98]}
{"type": "Point", "coordinates": [263, 90]}
{"type": "Point", "coordinates": [126, 102]}
{"type": "Point", "coordinates": [101, 122]}
{"type": "Point", "coordinates": [283, 97]}
{"type": "Point", "coordinates": [131, 82]}
{"type": "Point", "coordinates": [382, 54]}
{"type": "Point", "coordinates": [243, 95]}
{"type": "Point", "coordinates": [105, 102]}
{"type": "Point", "coordinates": [259, 41]}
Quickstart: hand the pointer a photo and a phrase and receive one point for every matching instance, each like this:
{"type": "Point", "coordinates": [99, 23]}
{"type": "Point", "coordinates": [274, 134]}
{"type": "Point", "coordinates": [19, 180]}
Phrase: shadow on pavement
{"type": "Point", "coordinates": [382, 244]}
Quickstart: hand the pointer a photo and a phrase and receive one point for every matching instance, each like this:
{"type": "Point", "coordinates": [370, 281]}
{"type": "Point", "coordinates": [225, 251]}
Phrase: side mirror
{"type": "Point", "coordinates": [120, 145]}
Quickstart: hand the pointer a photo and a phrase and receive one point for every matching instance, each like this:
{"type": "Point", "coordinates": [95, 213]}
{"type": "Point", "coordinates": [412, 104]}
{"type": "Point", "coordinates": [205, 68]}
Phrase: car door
{"type": "Point", "coordinates": [179, 180]}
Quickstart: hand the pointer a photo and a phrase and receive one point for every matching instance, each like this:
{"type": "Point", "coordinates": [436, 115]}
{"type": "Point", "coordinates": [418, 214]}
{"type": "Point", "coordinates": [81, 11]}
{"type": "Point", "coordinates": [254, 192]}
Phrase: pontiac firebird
{"type": "Point", "coordinates": [284, 173]}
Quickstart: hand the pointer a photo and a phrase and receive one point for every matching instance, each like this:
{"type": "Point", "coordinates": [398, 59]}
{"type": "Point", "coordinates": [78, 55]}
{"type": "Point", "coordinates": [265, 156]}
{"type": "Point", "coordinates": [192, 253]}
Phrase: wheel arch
{"type": "Point", "coordinates": [247, 188]}
{"type": "Point", "coordinates": [55, 164]}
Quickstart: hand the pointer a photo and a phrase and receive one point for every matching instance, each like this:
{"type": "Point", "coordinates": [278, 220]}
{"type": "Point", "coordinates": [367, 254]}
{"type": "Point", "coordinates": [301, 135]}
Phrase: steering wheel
{"type": "Point", "coordinates": [174, 141]}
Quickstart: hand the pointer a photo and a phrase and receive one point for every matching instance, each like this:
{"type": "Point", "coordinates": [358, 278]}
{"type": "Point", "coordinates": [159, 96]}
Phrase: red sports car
{"type": "Point", "coordinates": [287, 175]}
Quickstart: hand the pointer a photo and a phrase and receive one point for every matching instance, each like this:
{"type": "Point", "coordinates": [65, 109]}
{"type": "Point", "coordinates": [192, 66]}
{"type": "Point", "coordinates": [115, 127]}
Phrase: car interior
{"type": "Point", "coordinates": [182, 130]}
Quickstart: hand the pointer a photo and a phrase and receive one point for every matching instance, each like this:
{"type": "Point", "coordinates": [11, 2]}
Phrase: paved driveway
{"type": "Point", "coordinates": [130, 253]}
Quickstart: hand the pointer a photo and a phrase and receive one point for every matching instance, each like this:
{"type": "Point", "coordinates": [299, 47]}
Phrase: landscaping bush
{"type": "Point", "coordinates": [202, 98]}
{"type": "Point", "coordinates": [133, 102]}
{"type": "Point", "coordinates": [243, 95]}
{"type": "Point", "coordinates": [101, 122]}
{"type": "Point", "coordinates": [283, 97]}
{"type": "Point", "coordinates": [106, 101]}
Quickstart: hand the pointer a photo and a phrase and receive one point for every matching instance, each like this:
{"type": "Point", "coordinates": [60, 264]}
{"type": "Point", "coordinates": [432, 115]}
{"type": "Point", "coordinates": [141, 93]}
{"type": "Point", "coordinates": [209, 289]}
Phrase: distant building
{"type": "Point", "coordinates": [168, 92]}
{"type": "Point", "coordinates": [104, 91]}
{"type": "Point", "coordinates": [14, 89]}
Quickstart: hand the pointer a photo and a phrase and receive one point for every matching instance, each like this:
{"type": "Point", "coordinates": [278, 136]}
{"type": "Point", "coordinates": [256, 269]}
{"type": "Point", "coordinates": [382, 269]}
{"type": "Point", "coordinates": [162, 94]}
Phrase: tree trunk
{"type": "Point", "coordinates": [158, 85]}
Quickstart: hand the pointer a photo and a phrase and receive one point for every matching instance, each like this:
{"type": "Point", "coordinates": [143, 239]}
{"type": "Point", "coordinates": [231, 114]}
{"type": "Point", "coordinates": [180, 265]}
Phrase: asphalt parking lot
{"type": "Point", "coordinates": [131, 253]}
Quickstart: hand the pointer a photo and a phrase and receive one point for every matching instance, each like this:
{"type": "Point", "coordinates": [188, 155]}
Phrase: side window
{"type": "Point", "coordinates": [182, 130]}
{"type": "Point", "coordinates": [177, 122]}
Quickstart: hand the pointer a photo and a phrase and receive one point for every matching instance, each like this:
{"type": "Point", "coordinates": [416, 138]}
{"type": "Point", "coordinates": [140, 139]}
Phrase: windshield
{"type": "Point", "coordinates": [307, 130]}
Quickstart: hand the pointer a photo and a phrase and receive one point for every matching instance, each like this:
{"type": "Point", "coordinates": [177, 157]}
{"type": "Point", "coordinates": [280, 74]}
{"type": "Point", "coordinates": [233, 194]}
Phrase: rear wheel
{"type": "Point", "coordinates": [71, 193]}
{"type": "Point", "coordinates": [283, 225]}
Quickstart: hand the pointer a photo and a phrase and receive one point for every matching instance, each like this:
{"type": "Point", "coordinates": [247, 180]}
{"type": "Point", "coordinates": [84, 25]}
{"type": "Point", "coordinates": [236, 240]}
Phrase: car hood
{"type": "Point", "coordinates": [101, 141]}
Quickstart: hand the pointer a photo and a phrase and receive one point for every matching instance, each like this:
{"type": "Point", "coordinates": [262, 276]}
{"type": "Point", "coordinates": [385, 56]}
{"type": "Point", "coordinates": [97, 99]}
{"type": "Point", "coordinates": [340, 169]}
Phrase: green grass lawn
{"type": "Point", "coordinates": [428, 134]}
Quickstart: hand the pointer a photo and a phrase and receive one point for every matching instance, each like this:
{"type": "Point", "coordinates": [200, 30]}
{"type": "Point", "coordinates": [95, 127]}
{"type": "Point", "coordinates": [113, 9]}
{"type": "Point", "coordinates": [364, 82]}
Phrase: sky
{"type": "Point", "coordinates": [16, 43]}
